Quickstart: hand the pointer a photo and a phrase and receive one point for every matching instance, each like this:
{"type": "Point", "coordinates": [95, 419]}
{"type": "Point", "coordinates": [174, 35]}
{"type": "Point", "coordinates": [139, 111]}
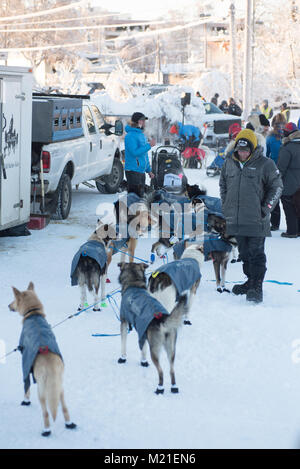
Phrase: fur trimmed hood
{"type": "Point", "coordinates": [293, 136]}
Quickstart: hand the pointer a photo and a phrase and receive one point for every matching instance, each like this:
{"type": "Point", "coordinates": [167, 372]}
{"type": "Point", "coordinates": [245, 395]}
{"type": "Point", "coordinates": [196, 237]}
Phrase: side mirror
{"type": "Point", "coordinates": [119, 128]}
{"type": "Point", "coordinates": [106, 127]}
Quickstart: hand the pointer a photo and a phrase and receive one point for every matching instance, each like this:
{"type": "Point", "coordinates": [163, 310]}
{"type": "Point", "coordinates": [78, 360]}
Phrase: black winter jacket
{"type": "Point", "coordinates": [289, 163]}
{"type": "Point", "coordinates": [249, 194]}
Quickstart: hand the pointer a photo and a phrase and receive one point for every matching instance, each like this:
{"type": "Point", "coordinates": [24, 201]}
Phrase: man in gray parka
{"type": "Point", "coordinates": [250, 187]}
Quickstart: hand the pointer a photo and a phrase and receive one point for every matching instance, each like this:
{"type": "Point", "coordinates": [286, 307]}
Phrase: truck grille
{"type": "Point", "coordinates": [222, 127]}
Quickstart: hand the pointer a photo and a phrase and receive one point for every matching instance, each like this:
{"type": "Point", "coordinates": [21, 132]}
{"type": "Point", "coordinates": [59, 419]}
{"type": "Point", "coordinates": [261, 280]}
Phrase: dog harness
{"type": "Point", "coordinates": [139, 308]}
{"type": "Point", "coordinates": [93, 249]}
{"type": "Point", "coordinates": [36, 337]}
{"type": "Point", "coordinates": [183, 273]}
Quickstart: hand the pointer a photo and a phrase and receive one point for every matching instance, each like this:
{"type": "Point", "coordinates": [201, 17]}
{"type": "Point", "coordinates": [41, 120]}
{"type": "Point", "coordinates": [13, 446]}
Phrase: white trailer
{"type": "Point", "coordinates": [15, 145]}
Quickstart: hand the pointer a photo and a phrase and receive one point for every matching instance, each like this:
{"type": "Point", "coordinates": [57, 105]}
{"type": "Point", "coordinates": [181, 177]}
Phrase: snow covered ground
{"type": "Point", "coordinates": [237, 366]}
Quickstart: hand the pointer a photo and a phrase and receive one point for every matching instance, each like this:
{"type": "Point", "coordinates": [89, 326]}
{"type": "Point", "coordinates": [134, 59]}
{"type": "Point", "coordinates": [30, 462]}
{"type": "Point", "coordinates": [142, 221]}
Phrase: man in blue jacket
{"type": "Point", "coordinates": [136, 154]}
{"type": "Point", "coordinates": [189, 134]}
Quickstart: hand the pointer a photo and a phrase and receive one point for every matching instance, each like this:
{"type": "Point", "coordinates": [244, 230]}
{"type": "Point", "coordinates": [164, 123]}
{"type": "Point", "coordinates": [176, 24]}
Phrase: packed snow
{"type": "Point", "coordinates": [237, 366]}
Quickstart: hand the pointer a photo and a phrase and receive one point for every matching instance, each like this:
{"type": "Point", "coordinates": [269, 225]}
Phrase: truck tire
{"type": "Point", "coordinates": [64, 198]}
{"type": "Point", "coordinates": [113, 180]}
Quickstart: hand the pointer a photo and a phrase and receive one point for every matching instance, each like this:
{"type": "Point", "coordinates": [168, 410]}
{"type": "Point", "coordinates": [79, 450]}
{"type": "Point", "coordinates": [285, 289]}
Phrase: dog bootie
{"type": "Point", "coordinates": [241, 289]}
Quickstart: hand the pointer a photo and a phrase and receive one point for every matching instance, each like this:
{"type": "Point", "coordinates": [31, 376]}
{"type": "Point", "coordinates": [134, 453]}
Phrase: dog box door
{"type": "Point", "coordinates": [10, 163]}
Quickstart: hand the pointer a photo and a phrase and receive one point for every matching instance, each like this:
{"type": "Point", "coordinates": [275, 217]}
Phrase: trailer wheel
{"type": "Point", "coordinates": [64, 198]}
{"type": "Point", "coordinates": [113, 180]}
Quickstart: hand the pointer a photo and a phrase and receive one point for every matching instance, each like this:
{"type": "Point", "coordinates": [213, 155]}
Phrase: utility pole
{"type": "Point", "coordinates": [247, 60]}
{"type": "Point", "coordinates": [252, 54]}
{"type": "Point", "coordinates": [158, 61]}
{"type": "Point", "coordinates": [233, 50]}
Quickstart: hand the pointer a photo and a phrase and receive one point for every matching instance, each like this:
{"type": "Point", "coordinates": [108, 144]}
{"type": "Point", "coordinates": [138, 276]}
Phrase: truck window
{"type": "Point", "coordinates": [89, 120]}
{"type": "Point", "coordinates": [99, 118]}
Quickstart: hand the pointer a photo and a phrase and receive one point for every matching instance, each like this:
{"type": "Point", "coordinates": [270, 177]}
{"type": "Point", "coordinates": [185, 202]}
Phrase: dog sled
{"type": "Point", "coordinates": [167, 169]}
{"type": "Point", "coordinates": [215, 168]}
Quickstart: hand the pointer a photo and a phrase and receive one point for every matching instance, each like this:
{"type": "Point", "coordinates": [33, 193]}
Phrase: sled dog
{"type": "Point", "coordinates": [166, 290]}
{"type": "Point", "coordinates": [153, 322]}
{"type": "Point", "coordinates": [40, 356]}
{"type": "Point", "coordinates": [90, 265]}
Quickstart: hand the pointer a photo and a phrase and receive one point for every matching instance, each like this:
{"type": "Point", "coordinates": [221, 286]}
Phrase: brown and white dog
{"type": "Point", "coordinates": [161, 330]}
{"type": "Point", "coordinates": [89, 273]}
{"type": "Point", "coordinates": [47, 366]}
{"type": "Point", "coordinates": [135, 221]}
{"type": "Point", "coordinates": [163, 288]}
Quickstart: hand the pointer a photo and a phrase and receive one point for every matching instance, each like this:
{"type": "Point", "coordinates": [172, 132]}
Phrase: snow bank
{"type": "Point", "coordinates": [166, 104]}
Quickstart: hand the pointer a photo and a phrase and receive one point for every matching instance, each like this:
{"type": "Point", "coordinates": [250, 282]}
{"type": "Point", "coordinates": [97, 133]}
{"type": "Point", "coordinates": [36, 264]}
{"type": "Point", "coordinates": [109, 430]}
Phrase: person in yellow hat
{"type": "Point", "coordinates": [250, 187]}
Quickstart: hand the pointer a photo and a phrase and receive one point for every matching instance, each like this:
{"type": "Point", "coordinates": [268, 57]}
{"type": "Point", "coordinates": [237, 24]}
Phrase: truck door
{"type": "Point", "coordinates": [93, 143]}
{"type": "Point", "coordinates": [10, 150]}
{"type": "Point", "coordinates": [107, 144]}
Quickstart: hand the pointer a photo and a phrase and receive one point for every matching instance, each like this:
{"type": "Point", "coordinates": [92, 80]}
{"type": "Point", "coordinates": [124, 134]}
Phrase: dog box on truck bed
{"type": "Point", "coordinates": [55, 118]}
{"type": "Point", "coordinates": [15, 145]}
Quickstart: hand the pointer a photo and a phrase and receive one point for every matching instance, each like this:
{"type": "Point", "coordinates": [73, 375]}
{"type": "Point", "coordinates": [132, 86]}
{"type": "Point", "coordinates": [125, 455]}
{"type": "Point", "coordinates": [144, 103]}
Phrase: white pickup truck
{"type": "Point", "coordinates": [88, 150]}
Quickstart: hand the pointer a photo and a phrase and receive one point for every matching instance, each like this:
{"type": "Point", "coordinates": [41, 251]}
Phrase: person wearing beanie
{"type": "Point", "coordinates": [289, 167]}
{"type": "Point", "coordinates": [136, 154]}
{"type": "Point", "coordinates": [250, 187]}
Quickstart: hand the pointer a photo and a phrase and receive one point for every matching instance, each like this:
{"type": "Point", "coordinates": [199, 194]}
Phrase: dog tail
{"type": "Point", "coordinates": [175, 318]}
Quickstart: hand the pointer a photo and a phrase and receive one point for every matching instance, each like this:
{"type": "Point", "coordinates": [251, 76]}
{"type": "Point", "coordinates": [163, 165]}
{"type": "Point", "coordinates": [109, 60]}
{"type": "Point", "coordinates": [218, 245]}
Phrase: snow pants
{"type": "Point", "coordinates": [136, 182]}
{"type": "Point", "coordinates": [252, 253]}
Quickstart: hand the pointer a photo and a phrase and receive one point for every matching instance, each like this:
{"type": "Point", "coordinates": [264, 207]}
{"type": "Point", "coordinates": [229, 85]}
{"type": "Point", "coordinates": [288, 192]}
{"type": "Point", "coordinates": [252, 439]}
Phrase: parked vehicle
{"type": "Point", "coordinates": [75, 144]}
{"type": "Point", "coordinates": [217, 124]}
{"type": "Point", "coordinates": [15, 145]}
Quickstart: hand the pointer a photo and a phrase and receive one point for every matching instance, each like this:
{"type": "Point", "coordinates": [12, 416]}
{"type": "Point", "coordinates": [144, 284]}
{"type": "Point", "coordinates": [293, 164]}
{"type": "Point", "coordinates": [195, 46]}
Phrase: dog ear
{"type": "Point", "coordinates": [17, 292]}
{"type": "Point", "coordinates": [30, 286]}
{"type": "Point", "coordinates": [121, 265]}
{"type": "Point", "coordinates": [145, 266]}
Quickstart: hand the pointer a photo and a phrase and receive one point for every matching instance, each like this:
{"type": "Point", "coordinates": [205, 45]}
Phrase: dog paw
{"type": "Point", "coordinates": [174, 390]}
{"type": "Point", "coordinates": [71, 425]}
{"type": "Point", "coordinates": [159, 391]}
{"type": "Point", "coordinates": [187, 322]}
{"type": "Point", "coordinates": [27, 403]}
{"type": "Point", "coordinates": [46, 433]}
{"type": "Point", "coordinates": [122, 360]}
{"type": "Point", "coordinates": [144, 363]}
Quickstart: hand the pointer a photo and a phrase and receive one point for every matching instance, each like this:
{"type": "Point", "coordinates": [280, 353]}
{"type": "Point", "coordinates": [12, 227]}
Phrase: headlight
{"type": "Point", "coordinates": [208, 124]}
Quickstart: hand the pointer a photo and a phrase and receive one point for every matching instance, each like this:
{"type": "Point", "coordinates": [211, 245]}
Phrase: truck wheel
{"type": "Point", "coordinates": [64, 198]}
{"type": "Point", "coordinates": [113, 180]}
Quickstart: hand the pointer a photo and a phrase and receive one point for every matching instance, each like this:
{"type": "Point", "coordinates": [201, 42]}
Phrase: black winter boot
{"type": "Point", "coordinates": [255, 292]}
{"type": "Point", "coordinates": [241, 289]}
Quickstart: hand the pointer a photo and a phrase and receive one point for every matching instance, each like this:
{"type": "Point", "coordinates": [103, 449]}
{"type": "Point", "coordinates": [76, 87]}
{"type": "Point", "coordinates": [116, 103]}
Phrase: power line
{"type": "Point", "coordinates": [64, 20]}
{"type": "Point", "coordinates": [75, 28]}
{"type": "Point", "coordinates": [44, 12]}
{"type": "Point", "coordinates": [160, 31]}
{"type": "Point", "coordinates": [60, 46]}
{"type": "Point", "coordinates": [140, 58]}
